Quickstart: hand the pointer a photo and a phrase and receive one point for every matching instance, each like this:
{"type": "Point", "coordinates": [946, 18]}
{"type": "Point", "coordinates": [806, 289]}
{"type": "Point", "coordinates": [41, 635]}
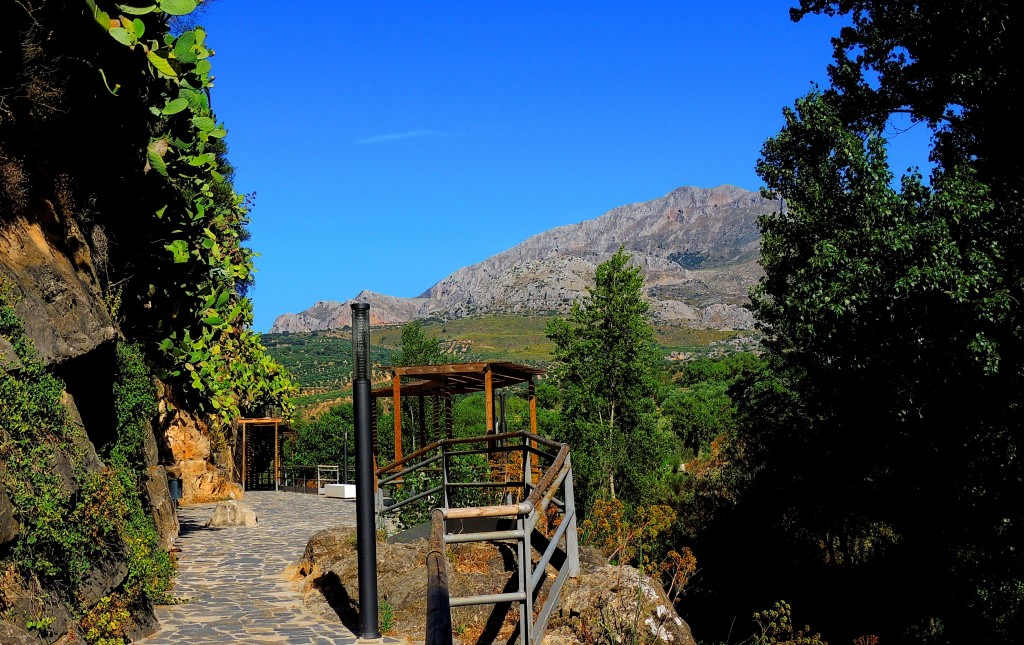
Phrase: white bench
{"type": "Point", "coordinates": [342, 491]}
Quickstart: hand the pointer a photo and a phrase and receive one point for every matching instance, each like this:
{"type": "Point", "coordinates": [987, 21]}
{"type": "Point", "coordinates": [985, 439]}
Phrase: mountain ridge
{"type": "Point", "coordinates": [697, 247]}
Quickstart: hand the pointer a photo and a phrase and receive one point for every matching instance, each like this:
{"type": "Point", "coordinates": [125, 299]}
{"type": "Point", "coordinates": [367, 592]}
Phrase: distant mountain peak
{"type": "Point", "coordinates": [698, 249]}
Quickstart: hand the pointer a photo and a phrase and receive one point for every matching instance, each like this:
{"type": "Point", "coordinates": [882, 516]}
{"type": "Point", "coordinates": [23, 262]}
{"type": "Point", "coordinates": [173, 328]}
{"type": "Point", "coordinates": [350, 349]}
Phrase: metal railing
{"type": "Point", "coordinates": [524, 493]}
{"type": "Point", "coordinates": [312, 479]}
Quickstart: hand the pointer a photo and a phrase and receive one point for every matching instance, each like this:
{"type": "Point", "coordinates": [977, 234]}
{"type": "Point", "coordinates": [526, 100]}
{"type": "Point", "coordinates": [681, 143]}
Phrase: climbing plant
{"type": "Point", "coordinates": [190, 301]}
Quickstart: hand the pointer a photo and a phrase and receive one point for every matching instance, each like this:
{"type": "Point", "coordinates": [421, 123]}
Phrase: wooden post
{"type": "Point", "coordinates": [532, 393]}
{"type": "Point", "coordinates": [376, 445]}
{"type": "Point", "coordinates": [534, 459]}
{"type": "Point", "coordinates": [396, 389]}
{"type": "Point", "coordinates": [489, 400]}
{"type": "Point", "coordinates": [245, 458]}
{"type": "Point", "coordinates": [489, 419]}
{"type": "Point", "coordinates": [373, 424]}
{"type": "Point", "coordinates": [422, 421]}
{"type": "Point", "coordinates": [435, 409]}
{"type": "Point", "coordinates": [449, 419]}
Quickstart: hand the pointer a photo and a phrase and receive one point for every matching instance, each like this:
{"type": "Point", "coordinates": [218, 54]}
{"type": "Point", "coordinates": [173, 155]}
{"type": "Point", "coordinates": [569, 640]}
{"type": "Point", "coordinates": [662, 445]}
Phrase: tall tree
{"type": "Point", "coordinates": [894, 333]}
{"type": "Point", "coordinates": [604, 361]}
{"type": "Point", "coordinates": [418, 348]}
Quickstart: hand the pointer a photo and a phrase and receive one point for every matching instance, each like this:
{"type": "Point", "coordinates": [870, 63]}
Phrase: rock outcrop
{"type": "Point", "coordinates": [204, 472]}
{"type": "Point", "coordinates": [698, 249]}
{"type": "Point", "coordinates": [49, 265]}
{"type": "Point", "coordinates": [327, 577]}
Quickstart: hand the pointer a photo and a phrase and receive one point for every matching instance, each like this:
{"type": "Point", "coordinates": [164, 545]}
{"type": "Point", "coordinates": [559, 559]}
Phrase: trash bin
{"type": "Point", "coordinates": [174, 485]}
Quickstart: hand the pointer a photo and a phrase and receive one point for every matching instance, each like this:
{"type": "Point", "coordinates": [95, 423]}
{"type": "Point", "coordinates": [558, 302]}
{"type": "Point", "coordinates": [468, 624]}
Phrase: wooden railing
{"type": "Point", "coordinates": [522, 497]}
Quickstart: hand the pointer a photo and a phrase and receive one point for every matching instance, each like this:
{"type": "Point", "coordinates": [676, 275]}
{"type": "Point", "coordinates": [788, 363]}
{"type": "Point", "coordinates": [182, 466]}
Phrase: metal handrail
{"type": "Point", "coordinates": [526, 514]}
{"type": "Point", "coordinates": [307, 478]}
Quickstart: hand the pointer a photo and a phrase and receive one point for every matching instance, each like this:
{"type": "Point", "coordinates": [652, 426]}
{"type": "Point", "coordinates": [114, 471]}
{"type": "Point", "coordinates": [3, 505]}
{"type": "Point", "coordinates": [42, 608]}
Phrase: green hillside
{"type": "Point", "coordinates": [320, 363]}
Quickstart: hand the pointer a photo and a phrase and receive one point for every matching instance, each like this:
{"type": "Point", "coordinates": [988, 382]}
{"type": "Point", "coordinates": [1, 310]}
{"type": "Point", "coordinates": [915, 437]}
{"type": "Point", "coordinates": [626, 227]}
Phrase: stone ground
{"type": "Point", "coordinates": [231, 579]}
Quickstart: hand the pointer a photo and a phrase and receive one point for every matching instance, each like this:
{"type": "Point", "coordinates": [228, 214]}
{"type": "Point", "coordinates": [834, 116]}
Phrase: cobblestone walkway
{"type": "Point", "coordinates": [231, 579]}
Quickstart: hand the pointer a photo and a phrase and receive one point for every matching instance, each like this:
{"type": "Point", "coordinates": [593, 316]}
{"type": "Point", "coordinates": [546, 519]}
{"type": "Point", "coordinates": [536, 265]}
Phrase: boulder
{"type": "Point", "coordinates": [26, 600]}
{"type": "Point", "coordinates": [203, 482]}
{"type": "Point", "coordinates": [103, 577]}
{"type": "Point", "coordinates": [9, 361]}
{"type": "Point", "coordinates": [11, 635]}
{"type": "Point", "coordinates": [186, 435]}
{"type": "Point", "coordinates": [143, 621]}
{"type": "Point", "coordinates": [232, 513]}
{"type": "Point", "coordinates": [616, 603]}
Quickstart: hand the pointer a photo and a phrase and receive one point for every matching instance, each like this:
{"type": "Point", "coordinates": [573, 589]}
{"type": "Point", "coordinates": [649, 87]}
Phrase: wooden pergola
{"type": "Point", "coordinates": [266, 422]}
{"type": "Point", "coordinates": [446, 381]}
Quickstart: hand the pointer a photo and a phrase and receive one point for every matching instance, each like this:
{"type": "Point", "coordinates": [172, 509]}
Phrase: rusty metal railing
{"type": "Point", "coordinates": [521, 501]}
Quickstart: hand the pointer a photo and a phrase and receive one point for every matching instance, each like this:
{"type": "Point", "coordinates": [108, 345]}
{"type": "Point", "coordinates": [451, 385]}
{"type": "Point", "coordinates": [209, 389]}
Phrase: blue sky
{"type": "Point", "coordinates": [391, 143]}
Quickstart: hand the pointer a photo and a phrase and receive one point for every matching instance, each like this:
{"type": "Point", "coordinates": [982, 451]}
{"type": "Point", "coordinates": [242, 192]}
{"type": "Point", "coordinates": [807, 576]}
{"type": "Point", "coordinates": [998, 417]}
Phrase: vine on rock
{"type": "Point", "coordinates": [198, 275]}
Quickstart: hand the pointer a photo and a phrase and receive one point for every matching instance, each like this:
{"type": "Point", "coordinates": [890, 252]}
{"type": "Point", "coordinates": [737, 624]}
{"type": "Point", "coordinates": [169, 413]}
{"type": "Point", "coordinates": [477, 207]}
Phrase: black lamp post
{"type": "Point", "coordinates": [366, 527]}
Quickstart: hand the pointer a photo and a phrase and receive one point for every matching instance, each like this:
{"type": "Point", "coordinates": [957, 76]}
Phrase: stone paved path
{"type": "Point", "coordinates": [232, 577]}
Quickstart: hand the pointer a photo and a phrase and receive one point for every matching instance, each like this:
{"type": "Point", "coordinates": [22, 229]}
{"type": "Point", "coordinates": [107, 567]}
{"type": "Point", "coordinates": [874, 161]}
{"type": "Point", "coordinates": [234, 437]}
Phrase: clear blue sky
{"type": "Point", "coordinates": [391, 143]}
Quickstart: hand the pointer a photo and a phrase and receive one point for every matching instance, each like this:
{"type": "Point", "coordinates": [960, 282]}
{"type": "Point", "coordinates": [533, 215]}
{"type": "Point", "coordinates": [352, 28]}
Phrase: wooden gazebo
{"type": "Point", "coordinates": [446, 381]}
{"type": "Point", "coordinates": [252, 460]}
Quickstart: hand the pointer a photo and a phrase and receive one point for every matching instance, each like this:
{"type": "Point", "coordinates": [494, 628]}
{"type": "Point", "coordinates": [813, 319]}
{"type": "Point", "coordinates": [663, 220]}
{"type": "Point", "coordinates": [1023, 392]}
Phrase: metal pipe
{"type": "Point", "coordinates": [539, 574]}
{"type": "Point", "coordinates": [484, 451]}
{"type": "Point", "coordinates": [414, 498]}
{"type": "Point", "coordinates": [509, 484]}
{"type": "Point", "coordinates": [485, 536]}
{"type": "Point", "coordinates": [488, 599]}
{"type": "Point", "coordinates": [406, 471]}
{"type": "Point", "coordinates": [366, 525]}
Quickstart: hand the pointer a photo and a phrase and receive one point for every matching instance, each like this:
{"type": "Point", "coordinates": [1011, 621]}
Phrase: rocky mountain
{"type": "Point", "coordinates": [698, 249]}
{"type": "Point", "coordinates": [330, 314]}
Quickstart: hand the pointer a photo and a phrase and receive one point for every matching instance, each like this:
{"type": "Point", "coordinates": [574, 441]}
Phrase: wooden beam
{"type": "Point", "coordinates": [449, 368]}
{"type": "Point", "coordinates": [396, 393]}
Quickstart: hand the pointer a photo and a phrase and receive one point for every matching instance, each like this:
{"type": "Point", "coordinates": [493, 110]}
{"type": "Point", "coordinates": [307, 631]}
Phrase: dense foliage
{"type": "Point", "coordinates": [108, 143]}
{"type": "Point", "coordinates": [184, 284]}
{"type": "Point", "coordinates": [74, 519]}
{"type": "Point", "coordinates": [604, 365]}
{"type": "Point", "coordinates": [877, 454]}
{"type": "Point", "coordinates": [322, 439]}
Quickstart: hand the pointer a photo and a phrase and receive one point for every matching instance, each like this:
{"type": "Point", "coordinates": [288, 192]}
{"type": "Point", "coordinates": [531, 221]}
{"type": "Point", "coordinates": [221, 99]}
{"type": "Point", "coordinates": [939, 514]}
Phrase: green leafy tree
{"type": "Point", "coordinates": [321, 440]}
{"type": "Point", "coordinates": [418, 348]}
{"type": "Point", "coordinates": [879, 449]}
{"type": "Point", "coordinates": [604, 363]}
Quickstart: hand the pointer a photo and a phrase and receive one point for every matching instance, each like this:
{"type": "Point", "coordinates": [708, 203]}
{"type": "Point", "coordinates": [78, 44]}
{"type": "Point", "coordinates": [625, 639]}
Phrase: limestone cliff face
{"type": "Point", "coordinates": [697, 247]}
